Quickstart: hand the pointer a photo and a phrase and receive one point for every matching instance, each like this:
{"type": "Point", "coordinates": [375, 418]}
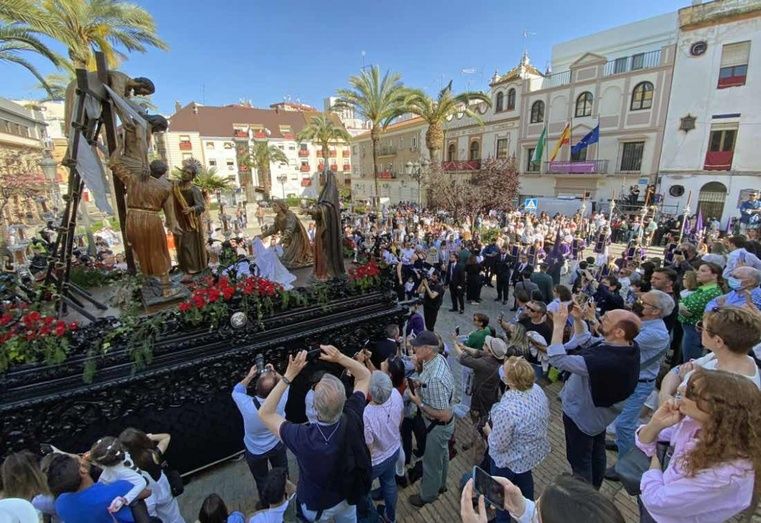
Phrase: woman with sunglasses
{"type": "Point", "coordinates": [691, 308]}
{"type": "Point", "coordinates": [729, 333]}
{"type": "Point", "coordinates": [713, 431]}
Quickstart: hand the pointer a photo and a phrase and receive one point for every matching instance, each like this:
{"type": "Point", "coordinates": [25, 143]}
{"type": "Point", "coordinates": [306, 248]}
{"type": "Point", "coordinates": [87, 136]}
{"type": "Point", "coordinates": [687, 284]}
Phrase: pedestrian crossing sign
{"type": "Point", "coordinates": [531, 204]}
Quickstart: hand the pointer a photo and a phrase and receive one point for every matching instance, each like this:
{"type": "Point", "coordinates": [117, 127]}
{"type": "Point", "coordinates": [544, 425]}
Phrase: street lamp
{"type": "Point", "coordinates": [282, 178]}
{"type": "Point", "coordinates": [50, 169]}
{"type": "Point", "coordinates": [416, 171]}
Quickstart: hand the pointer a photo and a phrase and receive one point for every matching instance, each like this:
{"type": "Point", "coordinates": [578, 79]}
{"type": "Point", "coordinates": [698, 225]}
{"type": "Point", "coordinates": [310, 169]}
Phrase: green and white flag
{"type": "Point", "coordinates": [539, 150]}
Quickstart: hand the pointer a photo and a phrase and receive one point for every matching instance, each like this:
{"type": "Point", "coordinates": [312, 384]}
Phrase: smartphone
{"type": "Point", "coordinates": [457, 330]}
{"type": "Point", "coordinates": [489, 487]}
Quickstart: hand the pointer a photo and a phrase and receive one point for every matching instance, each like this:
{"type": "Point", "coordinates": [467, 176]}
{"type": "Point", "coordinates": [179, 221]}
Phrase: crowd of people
{"type": "Point", "coordinates": [658, 355]}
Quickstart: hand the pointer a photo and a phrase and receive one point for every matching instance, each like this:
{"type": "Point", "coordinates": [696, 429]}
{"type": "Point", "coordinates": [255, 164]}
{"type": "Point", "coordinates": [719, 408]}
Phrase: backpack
{"type": "Point", "coordinates": [355, 467]}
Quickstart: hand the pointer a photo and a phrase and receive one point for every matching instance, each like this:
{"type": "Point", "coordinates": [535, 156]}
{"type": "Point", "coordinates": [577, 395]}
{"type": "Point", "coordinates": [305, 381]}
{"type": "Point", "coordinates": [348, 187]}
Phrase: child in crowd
{"type": "Point", "coordinates": [276, 497]}
{"type": "Point", "coordinates": [110, 455]}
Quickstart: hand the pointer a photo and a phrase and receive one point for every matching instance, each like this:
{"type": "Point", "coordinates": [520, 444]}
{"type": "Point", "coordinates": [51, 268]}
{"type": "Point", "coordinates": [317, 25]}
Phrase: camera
{"type": "Point", "coordinates": [259, 360]}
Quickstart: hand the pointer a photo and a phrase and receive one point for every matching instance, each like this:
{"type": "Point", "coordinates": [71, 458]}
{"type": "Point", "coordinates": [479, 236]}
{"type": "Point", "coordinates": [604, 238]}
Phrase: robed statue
{"type": "Point", "coordinates": [147, 194]}
{"type": "Point", "coordinates": [188, 208]}
{"type": "Point", "coordinates": [328, 249]}
{"type": "Point", "coordinates": [297, 251]}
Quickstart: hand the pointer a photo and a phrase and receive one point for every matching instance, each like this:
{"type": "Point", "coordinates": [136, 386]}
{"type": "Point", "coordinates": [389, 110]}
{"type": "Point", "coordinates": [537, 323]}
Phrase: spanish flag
{"type": "Point", "coordinates": [565, 138]}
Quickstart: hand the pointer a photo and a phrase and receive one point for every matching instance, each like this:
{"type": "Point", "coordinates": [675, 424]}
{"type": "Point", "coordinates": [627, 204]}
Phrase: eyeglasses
{"type": "Point", "coordinates": [645, 304]}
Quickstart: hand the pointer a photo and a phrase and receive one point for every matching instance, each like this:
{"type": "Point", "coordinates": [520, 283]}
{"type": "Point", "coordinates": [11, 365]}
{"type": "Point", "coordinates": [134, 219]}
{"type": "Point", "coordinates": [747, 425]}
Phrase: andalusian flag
{"type": "Point", "coordinates": [539, 149]}
{"type": "Point", "coordinates": [565, 138]}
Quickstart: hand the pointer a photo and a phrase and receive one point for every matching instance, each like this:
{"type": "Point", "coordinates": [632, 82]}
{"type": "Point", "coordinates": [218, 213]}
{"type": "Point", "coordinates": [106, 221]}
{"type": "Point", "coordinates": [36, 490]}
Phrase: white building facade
{"type": "Point", "coordinates": [711, 156]}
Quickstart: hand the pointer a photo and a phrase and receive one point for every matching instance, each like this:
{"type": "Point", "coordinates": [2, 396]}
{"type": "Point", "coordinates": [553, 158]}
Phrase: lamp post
{"type": "Point", "coordinates": [49, 168]}
{"type": "Point", "coordinates": [282, 178]}
{"type": "Point", "coordinates": [416, 171]}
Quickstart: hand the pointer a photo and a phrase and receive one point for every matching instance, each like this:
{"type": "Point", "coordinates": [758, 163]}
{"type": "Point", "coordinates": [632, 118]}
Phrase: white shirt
{"type": "Point", "coordinates": [382, 427]}
{"type": "Point", "coordinates": [710, 362]}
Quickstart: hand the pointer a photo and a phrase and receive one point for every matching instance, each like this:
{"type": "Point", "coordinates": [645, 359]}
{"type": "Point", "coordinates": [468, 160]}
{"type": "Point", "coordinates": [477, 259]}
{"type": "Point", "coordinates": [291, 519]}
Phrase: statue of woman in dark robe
{"type": "Point", "coordinates": [328, 250]}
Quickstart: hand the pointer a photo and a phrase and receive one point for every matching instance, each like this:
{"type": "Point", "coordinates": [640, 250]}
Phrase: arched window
{"type": "Point", "coordinates": [475, 150]}
{"type": "Point", "coordinates": [499, 105]}
{"type": "Point", "coordinates": [711, 200]}
{"type": "Point", "coordinates": [451, 152]}
{"type": "Point", "coordinates": [642, 96]}
{"type": "Point", "coordinates": [584, 104]}
{"type": "Point", "coordinates": [537, 112]}
{"type": "Point", "coordinates": [511, 99]}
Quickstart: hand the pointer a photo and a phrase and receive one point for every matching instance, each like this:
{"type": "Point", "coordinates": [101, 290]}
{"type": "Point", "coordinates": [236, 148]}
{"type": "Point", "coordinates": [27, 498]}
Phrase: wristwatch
{"type": "Point", "coordinates": [286, 380]}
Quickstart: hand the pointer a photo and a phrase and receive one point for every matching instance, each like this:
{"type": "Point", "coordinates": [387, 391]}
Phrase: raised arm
{"type": "Point", "coordinates": [358, 370]}
{"type": "Point", "coordinates": [268, 411]}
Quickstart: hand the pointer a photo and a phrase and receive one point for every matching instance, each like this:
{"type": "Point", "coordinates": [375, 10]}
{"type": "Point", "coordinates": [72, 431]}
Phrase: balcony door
{"type": "Point", "coordinates": [711, 200]}
{"type": "Point", "coordinates": [721, 148]}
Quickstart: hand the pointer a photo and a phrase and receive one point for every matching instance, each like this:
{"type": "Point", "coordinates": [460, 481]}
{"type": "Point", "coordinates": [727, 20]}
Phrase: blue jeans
{"type": "Point", "coordinates": [691, 344]}
{"type": "Point", "coordinates": [627, 421]}
{"type": "Point", "coordinates": [524, 481]}
{"type": "Point", "coordinates": [385, 471]}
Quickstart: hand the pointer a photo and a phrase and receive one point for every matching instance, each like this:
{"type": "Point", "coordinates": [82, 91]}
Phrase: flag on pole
{"type": "Point", "coordinates": [591, 137]}
{"type": "Point", "coordinates": [539, 149]}
{"type": "Point", "coordinates": [565, 137]}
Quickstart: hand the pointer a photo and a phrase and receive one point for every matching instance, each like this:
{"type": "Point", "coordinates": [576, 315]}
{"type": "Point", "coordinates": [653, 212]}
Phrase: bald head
{"type": "Point", "coordinates": [620, 325]}
{"type": "Point", "coordinates": [265, 384]}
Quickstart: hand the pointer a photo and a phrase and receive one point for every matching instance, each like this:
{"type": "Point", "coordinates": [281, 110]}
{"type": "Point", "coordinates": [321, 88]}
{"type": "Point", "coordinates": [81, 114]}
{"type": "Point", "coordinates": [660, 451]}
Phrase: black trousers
{"type": "Point", "coordinates": [585, 453]}
{"type": "Point", "coordinates": [430, 316]}
{"type": "Point", "coordinates": [410, 426]}
{"type": "Point", "coordinates": [458, 297]}
{"type": "Point", "coordinates": [258, 464]}
{"type": "Point", "coordinates": [503, 286]}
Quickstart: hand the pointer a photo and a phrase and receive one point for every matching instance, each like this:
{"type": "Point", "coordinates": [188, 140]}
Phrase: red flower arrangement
{"type": "Point", "coordinates": [209, 300]}
{"type": "Point", "coordinates": [365, 276]}
{"type": "Point", "coordinates": [31, 337]}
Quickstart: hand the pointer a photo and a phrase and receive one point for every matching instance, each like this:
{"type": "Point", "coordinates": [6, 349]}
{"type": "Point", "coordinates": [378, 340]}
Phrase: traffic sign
{"type": "Point", "coordinates": [531, 204]}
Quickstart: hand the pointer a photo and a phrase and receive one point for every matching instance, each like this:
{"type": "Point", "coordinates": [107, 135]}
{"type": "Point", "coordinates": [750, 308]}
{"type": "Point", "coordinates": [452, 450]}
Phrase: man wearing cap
{"type": "Point", "coordinates": [433, 395]}
{"type": "Point", "coordinates": [485, 364]}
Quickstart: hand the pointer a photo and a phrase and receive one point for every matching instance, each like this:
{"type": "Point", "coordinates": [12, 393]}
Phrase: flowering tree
{"type": "Point", "coordinates": [493, 187]}
{"type": "Point", "coordinates": [20, 181]}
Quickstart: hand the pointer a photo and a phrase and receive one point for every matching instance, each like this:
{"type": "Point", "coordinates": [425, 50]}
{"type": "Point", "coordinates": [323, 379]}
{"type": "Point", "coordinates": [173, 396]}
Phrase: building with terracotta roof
{"type": "Point", "coordinates": [402, 143]}
{"type": "Point", "coordinates": [220, 137]}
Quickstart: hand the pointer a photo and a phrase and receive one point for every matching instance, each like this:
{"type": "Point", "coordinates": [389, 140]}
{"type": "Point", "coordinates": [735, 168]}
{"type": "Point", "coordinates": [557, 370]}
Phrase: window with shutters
{"type": "Point", "coordinates": [734, 65]}
{"type": "Point", "coordinates": [631, 156]}
{"type": "Point", "coordinates": [721, 148]}
{"type": "Point", "coordinates": [511, 99]}
{"type": "Point", "coordinates": [638, 61]}
{"type": "Point", "coordinates": [620, 64]}
{"type": "Point", "coordinates": [502, 148]}
{"type": "Point", "coordinates": [531, 166]}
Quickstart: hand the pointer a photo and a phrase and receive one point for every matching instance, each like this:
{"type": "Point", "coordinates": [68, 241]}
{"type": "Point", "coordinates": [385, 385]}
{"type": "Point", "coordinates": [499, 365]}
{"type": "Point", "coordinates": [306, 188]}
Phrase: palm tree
{"type": "Point", "coordinates": [84, 26]}
{"type": "Point", "coordinates": [323, 131]}
{"type": "Point", "coordinates": [379, 100]}
{"type": "Point", "coordinates": [436, 112]}
{"type": "Point", "coordinates": [264, 154]}
{"type": "Point", "coordinates": [17, 36]}
{"type": "Point", "coordinates": [210, 182]}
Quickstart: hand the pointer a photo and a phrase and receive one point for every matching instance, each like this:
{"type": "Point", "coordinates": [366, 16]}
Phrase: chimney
{"type": "Point", "coordinates": [177, 106]}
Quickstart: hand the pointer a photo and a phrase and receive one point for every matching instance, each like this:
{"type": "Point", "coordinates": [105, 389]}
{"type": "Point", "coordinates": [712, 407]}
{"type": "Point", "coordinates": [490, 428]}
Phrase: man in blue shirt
{"type": "Point", "coordinates": [653, 340]}
{"type": "Point", "coordinates": [78, 498]}
{"type": "Point", "coordinates": [603, 376]}
{"type": "Point", "coordinates": [749, 211]}
{"type": "Point", "coordinates": [262, 447]}
{"type": "Point", "coordinates": [744, 282]}
{"type": "Point", "coordinates": [318, 447]}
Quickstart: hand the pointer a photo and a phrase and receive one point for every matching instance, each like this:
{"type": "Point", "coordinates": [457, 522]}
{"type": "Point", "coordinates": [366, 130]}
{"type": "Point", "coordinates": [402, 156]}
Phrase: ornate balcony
{"type": "Point", "coordinates": [718, 160]}
{"type": "Point", "coordinates": [471, 165]}
{"type": "Point", "coordinates": [304, 153]}
{"type": "Point", "coordinates": [585, 167]}
{"type": "Point", "coordinates": [304, 168]}
{"type": "Point", "coordinates": [186, 146]}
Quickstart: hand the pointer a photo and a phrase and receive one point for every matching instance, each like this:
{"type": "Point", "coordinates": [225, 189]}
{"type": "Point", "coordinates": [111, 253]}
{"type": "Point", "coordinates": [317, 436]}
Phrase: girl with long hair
{"type": "Point", "coordinates": [713, 430]}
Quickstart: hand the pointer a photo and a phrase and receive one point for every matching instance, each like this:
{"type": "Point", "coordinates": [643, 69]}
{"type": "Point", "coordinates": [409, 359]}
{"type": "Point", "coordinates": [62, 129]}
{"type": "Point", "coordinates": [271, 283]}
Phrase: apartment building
{"type": "Point", "coordinates": [221, 137]}
{"type": "Point", "coordinates": [401, 153]}
{"type": "Point", "coordinates": [711, 156]}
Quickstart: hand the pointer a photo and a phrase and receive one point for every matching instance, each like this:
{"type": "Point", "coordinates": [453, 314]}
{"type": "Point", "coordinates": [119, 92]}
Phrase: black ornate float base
{"type": "Point", "coordinates": [186, 391]}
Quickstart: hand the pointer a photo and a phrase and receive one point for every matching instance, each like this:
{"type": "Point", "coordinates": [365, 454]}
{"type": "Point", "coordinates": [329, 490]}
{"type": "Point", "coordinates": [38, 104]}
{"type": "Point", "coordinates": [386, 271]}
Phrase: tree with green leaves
{"type": "Point", "coordinates": [323, 130]}
{"type": "Point", "coordinates": [262, 156]}
{"type": "Point", "coordinates": [209, 181]}
{"type": "Point", "coordinates": [20, 34]}
{"type": "Point", "coordinates": [437, 111]}
{"type": "Point", "coordinates": [379, 99]}
{"type": "Point", "coordinates": [110, 26]}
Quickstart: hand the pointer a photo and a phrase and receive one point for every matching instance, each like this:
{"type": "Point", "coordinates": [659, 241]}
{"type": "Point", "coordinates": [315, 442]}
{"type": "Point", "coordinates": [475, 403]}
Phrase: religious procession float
{"type": "Point", "coordinates": [167, 359]}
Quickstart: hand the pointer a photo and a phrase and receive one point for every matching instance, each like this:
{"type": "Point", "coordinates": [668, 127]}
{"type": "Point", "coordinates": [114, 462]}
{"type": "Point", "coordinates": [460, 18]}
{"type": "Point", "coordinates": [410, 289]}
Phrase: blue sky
{"type": "Point", "coordinates": [222, 51]}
